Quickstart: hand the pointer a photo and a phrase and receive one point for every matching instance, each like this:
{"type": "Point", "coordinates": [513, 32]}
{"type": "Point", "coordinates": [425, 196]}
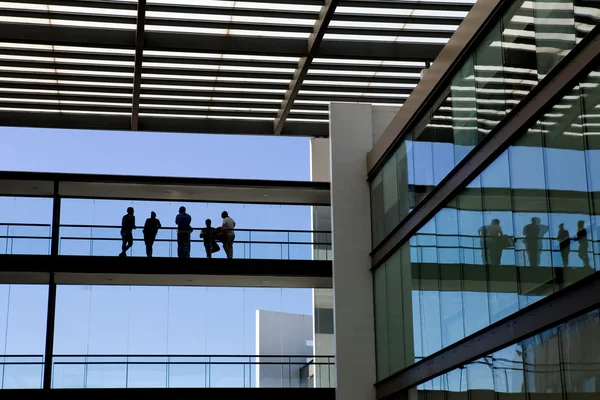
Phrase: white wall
{"type": "Point", "coordinates": [353, 129]}
{"type": "Point", "coordinates": [282, 333]}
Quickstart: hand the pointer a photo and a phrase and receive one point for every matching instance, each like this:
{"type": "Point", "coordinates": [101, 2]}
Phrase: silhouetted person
{"type": "Point", "coordinates": [564, 244]}
{"type": "Point", "coordinates": [209, 234]}
{"type": "Point", "coordinates": [151, 228]}
{"type": "Point", "coordinates": [581, 237]}
{"type": "Point", "coordinates": [491, 242]}
{"type": "Point", "coordinates": [127, 227]}
{"type": "Point", "coordinates": [533, 233]}
{"type": "Point", "coordinates": [184, 231]}
{"type": "Point", "coordinates": [228, 233]}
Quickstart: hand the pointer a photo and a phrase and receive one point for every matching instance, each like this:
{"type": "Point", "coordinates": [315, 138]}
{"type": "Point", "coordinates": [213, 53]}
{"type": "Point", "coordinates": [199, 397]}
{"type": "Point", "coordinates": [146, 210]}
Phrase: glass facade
{"type": "Point", "coordinates": [525, 228]}
{"type": "Point", "coordinates": [559, 363]}
{"type": "Point", "coordinates": [517, 53]}
{"type": "Point", "coordinates": [23, 311]}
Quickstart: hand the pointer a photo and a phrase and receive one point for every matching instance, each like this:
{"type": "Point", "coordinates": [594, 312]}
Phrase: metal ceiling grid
{"type": "Point", "coordinates": [212, 66]}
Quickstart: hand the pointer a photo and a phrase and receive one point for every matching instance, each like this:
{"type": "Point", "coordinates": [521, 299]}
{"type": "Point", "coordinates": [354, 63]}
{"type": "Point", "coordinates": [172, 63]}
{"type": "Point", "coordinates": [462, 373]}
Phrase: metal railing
{"type": "Point", "coordinates": [105, 240]}
{"type": "Point", "coordinates": [23, 238]}
{"type": "Point", "coordinates": [102, 240]}
{"type": "Point", "coordinates": [198, 371]}
{"type": "Point", "coordinates": [169, 371]}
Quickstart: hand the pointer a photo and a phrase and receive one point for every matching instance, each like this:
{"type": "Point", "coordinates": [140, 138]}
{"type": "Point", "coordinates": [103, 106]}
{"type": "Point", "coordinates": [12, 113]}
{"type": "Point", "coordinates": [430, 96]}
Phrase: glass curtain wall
{"type": "Point", "coordinates": [144, 336]}
{"type": "Point", "coordinates": [525, 228]}
{"type": "Point", "coordinates": [559, 363]}
{"type": "Point", "coordinates": [528, 42]}
{"type": "Point", "coordinates": [23, 310]}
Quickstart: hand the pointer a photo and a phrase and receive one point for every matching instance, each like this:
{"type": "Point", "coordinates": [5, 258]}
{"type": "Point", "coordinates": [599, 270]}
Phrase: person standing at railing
{"type": "Point", "coordinates": [228, 233]}
{"type": "Point", "coordinates": [151, 228]}
{"type": "Point", "coordinates": [184, 231]}
{"type": "Point", "coordinates": [209, 235]}
{"type": "Point", "coordinates": [127, 227]}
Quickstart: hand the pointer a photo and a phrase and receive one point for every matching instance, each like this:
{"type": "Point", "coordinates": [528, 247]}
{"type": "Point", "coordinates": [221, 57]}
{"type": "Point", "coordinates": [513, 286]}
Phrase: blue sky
{"type": "Point", "coordinates": [144, 320]}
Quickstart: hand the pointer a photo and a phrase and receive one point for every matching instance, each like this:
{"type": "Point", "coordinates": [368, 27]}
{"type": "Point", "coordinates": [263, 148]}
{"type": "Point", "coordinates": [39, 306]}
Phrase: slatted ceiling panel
{"type": "Point", "coordinates": [377, 82]}
{"type": "Point", "coordinates": [65, 79]}
{"type": "Point", "coordinates": [230, 64]}
{"type": "Point", "coordinates": [240, 86]}
{"type": "Point", "coordinates": [200, 85]}
{"type": "Point", "coordinates": [397, 21]}
{"type": "Point", "coordinates": [45, 78]}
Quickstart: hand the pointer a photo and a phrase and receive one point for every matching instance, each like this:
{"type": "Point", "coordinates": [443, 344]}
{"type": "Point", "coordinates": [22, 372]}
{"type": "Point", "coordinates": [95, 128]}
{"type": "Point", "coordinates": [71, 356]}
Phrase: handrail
{"type": "Point", "coordinates": [24, 224]}
{"type": "Point", "coordinates": [196, 229]}
{"type": "Point", "coordinates": [197, 355]}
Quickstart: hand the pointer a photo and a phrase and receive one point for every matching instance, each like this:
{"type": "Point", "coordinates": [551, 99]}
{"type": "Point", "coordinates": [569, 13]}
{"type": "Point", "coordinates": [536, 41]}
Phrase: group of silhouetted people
{"type": "Point", "coordinates": [210, 235]}
{"type": "Point", "coordinates": [494, 241]}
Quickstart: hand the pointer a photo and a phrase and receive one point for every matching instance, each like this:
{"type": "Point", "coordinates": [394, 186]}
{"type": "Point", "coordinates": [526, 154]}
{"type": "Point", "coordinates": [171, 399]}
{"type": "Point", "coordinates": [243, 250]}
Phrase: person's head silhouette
{"type": "Point", "coordinates": [181, 210]}
{"type": "Point", "coordinates": [208, 223]}
{"type": "Point", "coordinates": [153, 215]}
{"type": "Point", "coordinates": [130, 210]}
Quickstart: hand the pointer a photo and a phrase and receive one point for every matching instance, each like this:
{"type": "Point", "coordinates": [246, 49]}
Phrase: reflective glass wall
{"type": "Point", "coordinates": [145, 336]}
{"type": "Point", "coordinates": [526, 227]}
{"type": "Point", "coordinates": [560, 363]}
{"type": "Point", "coordinates": [517, 53]}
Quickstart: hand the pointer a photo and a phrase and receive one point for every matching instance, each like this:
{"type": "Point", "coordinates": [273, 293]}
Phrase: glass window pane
{"type": "Point", "coordinates": [381, 322]}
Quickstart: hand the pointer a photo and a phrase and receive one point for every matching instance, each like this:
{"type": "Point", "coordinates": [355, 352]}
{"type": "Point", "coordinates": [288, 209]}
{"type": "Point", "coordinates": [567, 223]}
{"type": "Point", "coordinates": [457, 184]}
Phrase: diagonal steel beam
{"type": "Point", "coordinates": [313, 46]}
{"type": "Point", "coordinates": [137, 69]}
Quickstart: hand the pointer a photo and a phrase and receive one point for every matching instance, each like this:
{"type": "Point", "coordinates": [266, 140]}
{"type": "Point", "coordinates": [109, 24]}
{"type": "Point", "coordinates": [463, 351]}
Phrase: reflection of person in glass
{"type": "Point", "coordinates": [564, 244]}
{"type": "Point", "coordinates": [581, 237]}
{"type": "Point", "coordinates": [151, 228]}
{"type": "Point", "coordinates": [533, 233]}
{"type": "Point", "coordinates": [491, 242]}
{"type": "Point", "coordinates": [127, 227]}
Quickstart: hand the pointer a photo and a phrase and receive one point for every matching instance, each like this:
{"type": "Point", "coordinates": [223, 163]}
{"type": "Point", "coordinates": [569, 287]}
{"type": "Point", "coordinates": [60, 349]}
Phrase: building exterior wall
{"type": "Point", "coordinates": [282, 333]}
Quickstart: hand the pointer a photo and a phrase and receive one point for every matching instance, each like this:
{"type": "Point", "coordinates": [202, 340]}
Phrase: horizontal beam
{"type": "Point", "coordinates": [568, 303]}
{"type": "Point", "coordinates": [158, 124]}
{"type": "Point", "coordinates": [14, 183]}
{"type": "Point", "coordinates": [221, 44]}
{"type": "Point", "coordinates": [177, 393]}
{"type": "Point", "coordinates": [159, 271]}
{"type": "Point", "coordinates": [572, 68]}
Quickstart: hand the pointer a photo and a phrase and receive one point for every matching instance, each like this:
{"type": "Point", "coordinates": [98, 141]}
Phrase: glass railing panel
{"type": "Point", "coordinates": [21, 371]}
{"type": "Point", "coordinates": [248, 244]}
{"type": "Point", "coordinates": [25, 238]}
{"type": "Point", "coordinates": [183, 371]}
{"type": "Point", "coordinates": [188, 372]}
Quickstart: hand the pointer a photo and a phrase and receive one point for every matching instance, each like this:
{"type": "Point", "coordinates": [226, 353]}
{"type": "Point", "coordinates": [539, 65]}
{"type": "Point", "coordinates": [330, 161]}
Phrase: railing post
{"type": "Point", "coordinates": [48, 355]}
{"type": "Point", "coordinates": [54, 240]}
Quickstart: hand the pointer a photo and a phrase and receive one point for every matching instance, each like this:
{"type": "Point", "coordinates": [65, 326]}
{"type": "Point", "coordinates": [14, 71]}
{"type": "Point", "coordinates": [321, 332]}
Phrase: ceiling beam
{"type": "Point", "coordinates": [137, 69]}
{"type": "Point", "coordinates": [57, 120]}
{"type": "Point", "coordinates": [312, 46]}
{"type": "Point", "coordinates": [222, 44]}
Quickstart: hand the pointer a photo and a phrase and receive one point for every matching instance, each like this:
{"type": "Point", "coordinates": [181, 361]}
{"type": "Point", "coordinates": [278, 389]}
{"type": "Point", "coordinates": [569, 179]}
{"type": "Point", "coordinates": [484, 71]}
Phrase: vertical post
{"type": "Point", "coordinates": [49, 333]}
{"type": "Point", "coordinates": [54, 241]}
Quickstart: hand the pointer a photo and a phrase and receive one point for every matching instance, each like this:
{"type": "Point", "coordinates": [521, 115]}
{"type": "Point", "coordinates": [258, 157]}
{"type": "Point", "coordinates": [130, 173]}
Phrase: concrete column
{"type": "Point", "coordinates": [353, 129]}
{"type": "Point", "coordinates": [323, 334]}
